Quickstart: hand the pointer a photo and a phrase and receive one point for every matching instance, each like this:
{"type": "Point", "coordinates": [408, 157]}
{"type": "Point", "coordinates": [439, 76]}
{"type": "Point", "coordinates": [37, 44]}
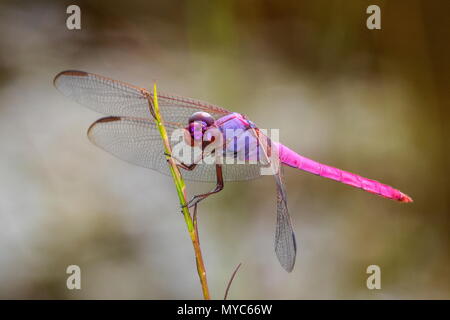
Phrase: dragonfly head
{"type": "Point", "coordinates": [199, 122]}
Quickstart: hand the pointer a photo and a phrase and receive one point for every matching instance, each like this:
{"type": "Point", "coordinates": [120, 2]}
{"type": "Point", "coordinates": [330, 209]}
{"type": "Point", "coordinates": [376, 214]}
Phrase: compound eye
{"type": "Point", "coordinates": [202, 117]}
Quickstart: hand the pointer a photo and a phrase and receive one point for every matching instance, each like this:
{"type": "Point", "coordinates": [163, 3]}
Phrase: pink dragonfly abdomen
{"type": "Point", "coordinates": [293, 159]}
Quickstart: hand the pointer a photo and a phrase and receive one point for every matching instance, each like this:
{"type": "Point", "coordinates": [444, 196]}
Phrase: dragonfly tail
{"type": "Point", "coordinates": [293, 159]}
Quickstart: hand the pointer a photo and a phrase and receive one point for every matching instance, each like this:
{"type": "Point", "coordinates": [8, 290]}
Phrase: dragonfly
{"type": "Point", "coordinates": [130, 133]}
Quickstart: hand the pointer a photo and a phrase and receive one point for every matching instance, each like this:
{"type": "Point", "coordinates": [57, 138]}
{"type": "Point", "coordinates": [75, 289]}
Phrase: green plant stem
{"type": "Point", "coordinates": [181, 186]}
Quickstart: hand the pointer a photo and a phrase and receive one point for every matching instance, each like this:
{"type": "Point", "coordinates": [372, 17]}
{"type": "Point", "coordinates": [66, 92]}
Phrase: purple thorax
{"type": "Point", "coordinates": [233, 121]}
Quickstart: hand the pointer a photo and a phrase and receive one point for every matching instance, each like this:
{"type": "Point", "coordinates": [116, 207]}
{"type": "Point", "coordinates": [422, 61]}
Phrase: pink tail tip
{"type": "Point", "coordinates": [405, 198]}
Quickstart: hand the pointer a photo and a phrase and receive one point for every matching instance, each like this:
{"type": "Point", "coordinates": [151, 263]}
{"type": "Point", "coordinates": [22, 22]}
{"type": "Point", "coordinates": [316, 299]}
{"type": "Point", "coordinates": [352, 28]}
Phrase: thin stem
{"type": "Point", "coordinates": [231, 280]}
{"type": "Point", "coordinates": [194, 219]}
{"type": "Point", "coordinates": [180, 186]}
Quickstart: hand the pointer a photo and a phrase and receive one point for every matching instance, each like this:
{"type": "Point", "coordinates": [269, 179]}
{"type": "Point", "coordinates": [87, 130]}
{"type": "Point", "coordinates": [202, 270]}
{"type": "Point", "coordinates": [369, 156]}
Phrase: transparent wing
{"type": "Point", "coordinates": [138, 141]}
{"type": "Point", "coordinates": [116, 98]}
{"type": "Point", "coordinates": [131, 139]}
{"type": "Point", "coordinates": [285, 243]}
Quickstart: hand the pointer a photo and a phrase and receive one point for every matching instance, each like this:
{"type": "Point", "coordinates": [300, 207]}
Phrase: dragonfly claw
{"type": "Point", "coordinates": [193, 202]}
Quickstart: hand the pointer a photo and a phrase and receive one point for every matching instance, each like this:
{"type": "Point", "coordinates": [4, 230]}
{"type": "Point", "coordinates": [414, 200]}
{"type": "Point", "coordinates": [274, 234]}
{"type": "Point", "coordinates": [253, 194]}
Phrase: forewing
{"type": "Point", "coordinates": [117, 98]}
{"type": "Point", "coordinates": [138, 141]}
{"type": "Point", "coordinates": [134, 140]}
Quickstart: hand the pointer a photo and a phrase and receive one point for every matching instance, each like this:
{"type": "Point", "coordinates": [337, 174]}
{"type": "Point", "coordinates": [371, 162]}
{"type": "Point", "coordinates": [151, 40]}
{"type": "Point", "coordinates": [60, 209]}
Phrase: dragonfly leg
{"type": "Point", "coordinates": [219, 186]}
{"type": "Point", "coordinates": [187, 167]}
{"type": "Point", "coordinates": [181, 164]}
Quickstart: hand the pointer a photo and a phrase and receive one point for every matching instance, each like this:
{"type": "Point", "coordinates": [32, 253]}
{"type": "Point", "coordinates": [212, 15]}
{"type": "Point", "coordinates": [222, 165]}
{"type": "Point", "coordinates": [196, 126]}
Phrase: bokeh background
{"type": "Point", "coordinates": [374, 102]}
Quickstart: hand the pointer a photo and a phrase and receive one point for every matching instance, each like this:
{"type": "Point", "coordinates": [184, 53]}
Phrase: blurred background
{"type": "Point", "coordinates": [373, 102]}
